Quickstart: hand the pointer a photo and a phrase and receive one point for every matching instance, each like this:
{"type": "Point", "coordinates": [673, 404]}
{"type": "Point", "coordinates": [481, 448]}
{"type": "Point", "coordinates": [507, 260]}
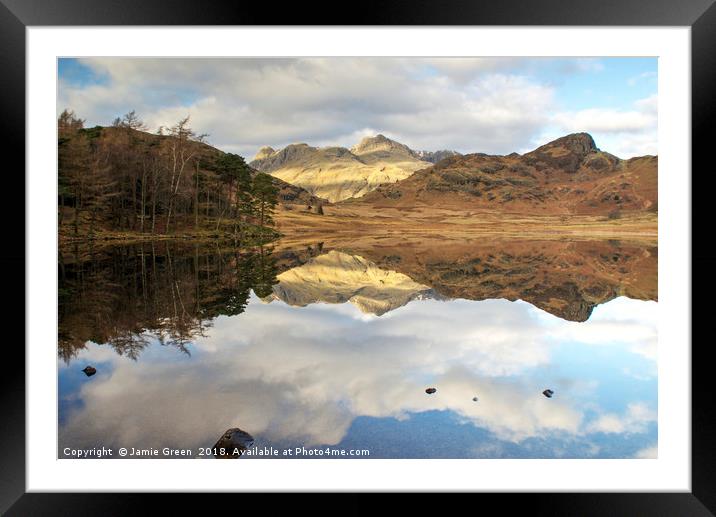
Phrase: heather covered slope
{"type": "Point", "coordinates": [567, 176]}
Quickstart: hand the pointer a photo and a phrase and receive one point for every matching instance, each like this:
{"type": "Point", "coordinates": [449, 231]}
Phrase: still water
{"type": "Point", "coordinates": [328, 351]}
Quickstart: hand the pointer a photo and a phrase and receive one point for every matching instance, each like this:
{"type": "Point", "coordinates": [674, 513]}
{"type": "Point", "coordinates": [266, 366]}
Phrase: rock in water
{"type": "Point", "coordinates": [89, 371]}
{"type": "Point", "coordinates": [430, 391]}
{"type": "Point", "coordinates": [232, 444]}
{"type": "Point", "coordinates": [548, 393]}
{"type": "Point", "coordinates": [474, 399]}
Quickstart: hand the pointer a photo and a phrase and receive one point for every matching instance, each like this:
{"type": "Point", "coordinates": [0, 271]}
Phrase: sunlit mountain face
{"type": "Point", "coordinates": [405, 349]}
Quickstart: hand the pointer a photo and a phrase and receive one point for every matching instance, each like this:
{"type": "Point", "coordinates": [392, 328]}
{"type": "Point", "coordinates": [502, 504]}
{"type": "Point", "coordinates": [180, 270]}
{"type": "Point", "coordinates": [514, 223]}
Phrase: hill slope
{"type": "Point", "coordinates": [116, 181]}
{"type": "Point", "coordinates": [205, 155]}
{"type": "Point", "coordinates": [567, 176]}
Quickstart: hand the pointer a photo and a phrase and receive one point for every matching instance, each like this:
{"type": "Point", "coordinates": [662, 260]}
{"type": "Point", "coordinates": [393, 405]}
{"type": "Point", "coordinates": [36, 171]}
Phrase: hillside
{"type": "Point", "coordinates": [124, 182]}
{"type": "Point", "coordinates": [567, 176]}
{"type": "Point", "coordinates": [337, 173]}
{"type": "Point", "coordinates": [120, 145]}
{"type": "Point", "coordinates": [205, 156]}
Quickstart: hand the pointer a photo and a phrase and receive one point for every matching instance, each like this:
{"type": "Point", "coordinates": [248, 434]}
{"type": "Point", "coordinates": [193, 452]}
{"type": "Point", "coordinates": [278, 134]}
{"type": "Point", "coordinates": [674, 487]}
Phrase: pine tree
{"type": "Point", "coordinates": [265, 194]}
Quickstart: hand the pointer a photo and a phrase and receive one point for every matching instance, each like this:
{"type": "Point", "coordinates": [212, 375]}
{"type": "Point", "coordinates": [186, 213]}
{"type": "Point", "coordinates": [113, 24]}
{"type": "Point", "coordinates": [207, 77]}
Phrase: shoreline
{"type": "Point", "coordinates": [347, 225]}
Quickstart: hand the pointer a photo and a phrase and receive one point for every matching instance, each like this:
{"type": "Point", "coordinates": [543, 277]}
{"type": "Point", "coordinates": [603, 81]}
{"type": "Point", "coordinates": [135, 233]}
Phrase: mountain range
{"type": "Point", "coordinates": [338, 173]}
{"type": "Point", "coordinates": [569, 175]}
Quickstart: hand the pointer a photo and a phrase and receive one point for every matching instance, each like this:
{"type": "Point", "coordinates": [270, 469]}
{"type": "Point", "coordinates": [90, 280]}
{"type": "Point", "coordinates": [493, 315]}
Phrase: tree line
{"type": "Point", "coordinates": [123, 178]}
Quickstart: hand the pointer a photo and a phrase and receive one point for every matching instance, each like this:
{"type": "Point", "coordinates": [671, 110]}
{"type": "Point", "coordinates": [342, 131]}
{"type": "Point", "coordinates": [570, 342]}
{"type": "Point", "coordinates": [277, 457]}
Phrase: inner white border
{"type": "Point", "coordinates": [671, 471]}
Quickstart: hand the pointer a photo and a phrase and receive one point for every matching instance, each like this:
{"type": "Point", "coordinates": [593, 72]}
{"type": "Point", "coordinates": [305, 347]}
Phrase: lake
{"type": "Point", "coordinates": [412, 348]}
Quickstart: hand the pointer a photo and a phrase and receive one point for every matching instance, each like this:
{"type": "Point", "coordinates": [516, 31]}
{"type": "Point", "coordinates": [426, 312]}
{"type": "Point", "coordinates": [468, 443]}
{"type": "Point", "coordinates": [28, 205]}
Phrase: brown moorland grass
{"type": "Point", "coordinates": [360, 222]}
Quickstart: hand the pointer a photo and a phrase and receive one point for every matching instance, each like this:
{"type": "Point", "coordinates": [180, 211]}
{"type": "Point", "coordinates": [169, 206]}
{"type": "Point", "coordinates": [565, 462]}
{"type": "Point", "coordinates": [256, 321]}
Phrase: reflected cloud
{"type": "Point", "coordinates": [648, 453]}
{"type": "Point", "coordinates": [634, 420]}
{"type": "Point", "coordinates": [303, 375]}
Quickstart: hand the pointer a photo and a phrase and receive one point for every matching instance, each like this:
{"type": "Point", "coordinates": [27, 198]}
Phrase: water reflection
{"type": "Point", "coordinates": [311, 369]}
{"type": "Point", "coordinates": [338, 277]}
{"type": "Point", "coordinates": [123, 296]}
{"type": "Point", "coordinates": [567, 279]}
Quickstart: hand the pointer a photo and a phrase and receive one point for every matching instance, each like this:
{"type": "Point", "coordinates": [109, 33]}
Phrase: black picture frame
{"type": "Point", "coordinates": [700, 15]}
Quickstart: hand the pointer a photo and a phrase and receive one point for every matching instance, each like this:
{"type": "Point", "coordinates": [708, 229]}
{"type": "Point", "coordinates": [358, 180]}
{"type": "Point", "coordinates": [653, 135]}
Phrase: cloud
{"type": "Point", "coordinates": [604, 121]}
{"type": "Point", "coordinates": [494, 105]}
{"type": "Point", "coordinates": [626, 133]}
{"type": "Point", "coordinates": [637, 416]}
{"type": "Point", "coordinates": [648, 453]}
{"type": "Point", "coordinates": [635, 324]}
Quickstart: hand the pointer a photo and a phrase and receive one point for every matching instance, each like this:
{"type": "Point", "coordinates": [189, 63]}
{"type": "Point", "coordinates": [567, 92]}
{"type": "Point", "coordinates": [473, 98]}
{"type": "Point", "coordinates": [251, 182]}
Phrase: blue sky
{"type": "Point", "coordinates": [494, 105]}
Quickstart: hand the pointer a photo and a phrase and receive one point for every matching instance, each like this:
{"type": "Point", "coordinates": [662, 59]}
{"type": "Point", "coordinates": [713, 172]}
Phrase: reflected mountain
{"type": "Point", "coordinates": [566, 279]}
{"type": "Point", "coordinates": [337, 277]}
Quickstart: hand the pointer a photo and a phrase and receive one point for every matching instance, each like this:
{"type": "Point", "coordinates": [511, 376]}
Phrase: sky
{"type": "Point", "coordinates": [490, 105]}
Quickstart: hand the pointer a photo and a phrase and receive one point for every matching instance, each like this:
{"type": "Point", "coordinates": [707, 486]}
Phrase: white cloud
{"type": "Point", "coordinates": [599, 120]}
{"type": "Point", "coordinates": [625, 133]}
{"type": "Point", "coordinates": [637, 416]}
{"type": "Point", "coordinates": [631, 323]}
{"type": "Point", "coordinates": [648, 453]}
{"type": "Point", "coordinates": [456, 103]}
{"type": "Point", "coordinates": [493, 105]}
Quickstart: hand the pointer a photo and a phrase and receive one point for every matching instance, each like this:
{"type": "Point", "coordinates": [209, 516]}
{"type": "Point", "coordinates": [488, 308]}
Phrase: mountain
{"type": "Point", "coordinates": [567, 176]}
{"type": "Point", "coordinates": [289, 194]}
{"type": "Point", "coordinates": [436, 156]}
{"type": "Point", "coordinates": [337, 173]}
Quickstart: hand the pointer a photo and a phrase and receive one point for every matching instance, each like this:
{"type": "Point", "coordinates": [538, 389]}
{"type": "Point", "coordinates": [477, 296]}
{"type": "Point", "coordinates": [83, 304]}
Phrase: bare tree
{"type": "Point", "coordinates": [181, 151]}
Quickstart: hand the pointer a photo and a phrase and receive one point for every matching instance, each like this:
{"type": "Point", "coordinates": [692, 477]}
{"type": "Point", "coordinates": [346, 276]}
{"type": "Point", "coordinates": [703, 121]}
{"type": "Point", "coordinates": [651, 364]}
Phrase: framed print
{"type": "Point", "coordinates": [442, 250]}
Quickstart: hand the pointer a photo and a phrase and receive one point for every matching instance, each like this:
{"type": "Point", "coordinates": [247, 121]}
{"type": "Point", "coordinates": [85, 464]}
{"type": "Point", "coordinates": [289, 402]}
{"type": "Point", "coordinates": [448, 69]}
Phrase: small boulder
{"type": "Point", "coordinates": [474, 399]}
{"type": "Point", "coordinates": [430, 391]}
{"type": "Point", "coordinates": [89, 371]}
{"type": "Point", "coordinates": [548, 393]}
{"type": "Point", "coordinates": [232, 444]}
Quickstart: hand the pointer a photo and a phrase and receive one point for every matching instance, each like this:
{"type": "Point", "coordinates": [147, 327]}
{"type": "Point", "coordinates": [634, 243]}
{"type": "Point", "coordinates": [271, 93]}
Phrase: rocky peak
{"type": "Point", "coordinates": [566, 153]}
{"type": "Point", "coordinates": [436, 156]}
{"type": "Point", "coordinates": [377, 143]}
{"type": "Point", "coordinates": [576, 143]}
{"type": "Point", "coordinates": [277, 158]}
{"type": "Point", "coordinates": [264, 153]}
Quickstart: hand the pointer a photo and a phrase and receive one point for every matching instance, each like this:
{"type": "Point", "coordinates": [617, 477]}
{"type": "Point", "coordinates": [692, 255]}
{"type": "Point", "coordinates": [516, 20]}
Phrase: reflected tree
{"type": "Point", "coordinates": [125, 296]}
